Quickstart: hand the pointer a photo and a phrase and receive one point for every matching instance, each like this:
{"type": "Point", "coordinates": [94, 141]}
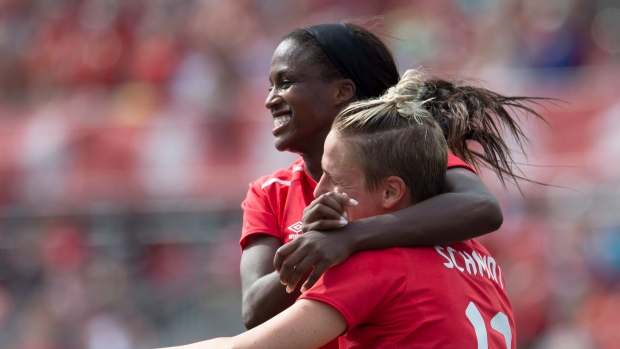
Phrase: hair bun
{"type": "Point", "coordinates": [405, 96]}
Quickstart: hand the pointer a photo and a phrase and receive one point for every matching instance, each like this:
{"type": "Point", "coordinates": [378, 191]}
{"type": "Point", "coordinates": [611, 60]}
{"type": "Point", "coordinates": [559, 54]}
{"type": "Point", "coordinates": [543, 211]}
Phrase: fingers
{"type": "Point", "coordinates": [321, 211]}
{"type": "Point", "coordinates": [302, 268]}
{"type": "Point", "coordinates": [295, 259]}
{"type": "Point", "coordinates": [319, 269]}
{"type": "Point", "coordinates": [335, 200]}
{"type": "Point", "coordinates": [281, 261]}
{"type": "Point", "coordinates": [327, 212]}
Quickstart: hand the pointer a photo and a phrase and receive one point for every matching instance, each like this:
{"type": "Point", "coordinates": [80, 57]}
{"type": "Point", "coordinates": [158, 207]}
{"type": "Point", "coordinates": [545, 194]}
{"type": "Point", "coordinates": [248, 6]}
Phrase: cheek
{"type": "Point", "coordinates": [367, 206]}
{"type": "Point", "coordinates": [355, 213]}
{"type": "Point", "coordinates": [339, 190]}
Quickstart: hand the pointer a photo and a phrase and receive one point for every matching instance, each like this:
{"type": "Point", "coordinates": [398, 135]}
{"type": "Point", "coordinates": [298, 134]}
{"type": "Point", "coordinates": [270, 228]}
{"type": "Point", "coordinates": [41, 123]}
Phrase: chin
{"type": "Point", "coordinates": [280, 145]}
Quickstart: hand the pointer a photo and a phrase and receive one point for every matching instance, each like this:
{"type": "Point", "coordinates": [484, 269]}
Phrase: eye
{"type": "Point", "coordinates": [286, 83]}
{"type": "Point", "coordinates": [334, 183]}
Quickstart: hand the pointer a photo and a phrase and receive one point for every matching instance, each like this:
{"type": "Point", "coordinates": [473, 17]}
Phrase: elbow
{"type": "Point", "coordinates": [497, 220]}
{"type": "Point", "coordinates": [491, 214]}
{"type": "Point", "coordinates": [248, 319]}
{"type": "Point", "coordinates": [249, 316]}
{"type": "Point", "coordinates": [250, 322]}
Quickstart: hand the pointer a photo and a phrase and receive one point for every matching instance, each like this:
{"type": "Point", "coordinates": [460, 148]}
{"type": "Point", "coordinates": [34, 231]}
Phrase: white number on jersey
{"type": "Point", "coordinates": [499, 323]}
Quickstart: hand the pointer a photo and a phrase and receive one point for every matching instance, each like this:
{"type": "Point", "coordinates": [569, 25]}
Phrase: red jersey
{"type": "Point", "coordinates": [449, 296]}
{"type": "Point", "coordinates": [275, 203]}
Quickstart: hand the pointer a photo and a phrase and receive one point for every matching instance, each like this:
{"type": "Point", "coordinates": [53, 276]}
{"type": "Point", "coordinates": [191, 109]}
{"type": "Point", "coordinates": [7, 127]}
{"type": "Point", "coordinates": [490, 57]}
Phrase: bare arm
{"type": "Point", "coordinates": [465, 209]}
{"type": "Point", "coordinates": [307, 324]}
{"type": "Point", "coordinates": [263, 293]}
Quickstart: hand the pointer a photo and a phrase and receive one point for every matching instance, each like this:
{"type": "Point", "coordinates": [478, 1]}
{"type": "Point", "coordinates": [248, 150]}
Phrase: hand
{"type": "Point", "coordinates": [326, 212]}
{"type": "Point", "coordinates": [316, 249]}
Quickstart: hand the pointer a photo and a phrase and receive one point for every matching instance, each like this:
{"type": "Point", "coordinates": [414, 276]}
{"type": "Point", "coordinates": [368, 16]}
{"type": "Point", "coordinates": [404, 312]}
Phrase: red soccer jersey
{"type": "Point", "coordinates": [443, 297]}
{"type": "Point", "coordinates": [275, 203]}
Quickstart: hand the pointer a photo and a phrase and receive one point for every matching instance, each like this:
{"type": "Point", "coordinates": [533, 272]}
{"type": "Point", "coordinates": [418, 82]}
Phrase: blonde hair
{"type": "Point", "coordinates": [394, 135]}
{"type": "Point", "coordinates": [403, 98]}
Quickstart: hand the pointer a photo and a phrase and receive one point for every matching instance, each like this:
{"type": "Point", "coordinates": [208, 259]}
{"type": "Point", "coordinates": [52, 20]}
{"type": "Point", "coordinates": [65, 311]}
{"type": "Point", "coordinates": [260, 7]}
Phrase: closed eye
{"type": "Point", "coordinates": [331, 178]}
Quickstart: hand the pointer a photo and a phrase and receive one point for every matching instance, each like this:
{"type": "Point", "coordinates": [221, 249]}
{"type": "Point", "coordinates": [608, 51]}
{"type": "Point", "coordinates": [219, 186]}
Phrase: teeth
{"type": "Point", "coordinates": [281, 120]}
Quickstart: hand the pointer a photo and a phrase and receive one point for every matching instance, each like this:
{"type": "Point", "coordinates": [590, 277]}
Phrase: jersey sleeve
{"type": "Point", "coordinates": [258, 216]}
{"type": "Point", "coordinates": [454, 162]}
{"type": "Point", "coordinates": [360, 287]}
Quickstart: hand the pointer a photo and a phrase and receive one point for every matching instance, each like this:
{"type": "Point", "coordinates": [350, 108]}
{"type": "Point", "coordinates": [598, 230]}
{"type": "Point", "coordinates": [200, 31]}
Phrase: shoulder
{"type": "Point", "coordinates": [371, 274]}
{"type": "Point", "coordinates": [371, 263]}
{"type": "Point", "coordinates": [456, 162]}
{"type": "Point", "coordinates": [278, 179]}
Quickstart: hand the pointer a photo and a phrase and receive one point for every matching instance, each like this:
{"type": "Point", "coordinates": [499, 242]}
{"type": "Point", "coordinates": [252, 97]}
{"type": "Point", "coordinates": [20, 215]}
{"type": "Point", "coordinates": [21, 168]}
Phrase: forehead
{"type": "Point", "coordinates": [290, 55]}
{"type": "Point", "coordinates": [335, 154]}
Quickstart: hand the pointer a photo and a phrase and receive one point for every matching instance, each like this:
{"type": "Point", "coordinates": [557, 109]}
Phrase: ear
{"type": "Point", "coordinates": [345, 92]}
{"type": "Point", "coordinates": [395, 193]}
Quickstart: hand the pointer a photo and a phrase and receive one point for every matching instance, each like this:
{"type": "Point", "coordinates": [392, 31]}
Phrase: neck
{"type": "Point", "coordinates": [313, 166]}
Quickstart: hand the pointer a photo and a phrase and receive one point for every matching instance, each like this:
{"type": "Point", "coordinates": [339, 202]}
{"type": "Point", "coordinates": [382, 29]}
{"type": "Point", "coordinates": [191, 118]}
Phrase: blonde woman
{"type": "Point", "coordinates": [384, 155]}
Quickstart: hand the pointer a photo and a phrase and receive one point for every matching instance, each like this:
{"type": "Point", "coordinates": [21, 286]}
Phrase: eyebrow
{"type": "Point", "coordinates": [297, 76]}
{"type": "Point", "coordinates": [278, 75]}
{"type": "Point", "coordinates": [329, 175]}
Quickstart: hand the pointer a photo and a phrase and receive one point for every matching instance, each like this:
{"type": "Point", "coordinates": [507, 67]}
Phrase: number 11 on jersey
{"type": "Point", "coordinates": [499, 323]}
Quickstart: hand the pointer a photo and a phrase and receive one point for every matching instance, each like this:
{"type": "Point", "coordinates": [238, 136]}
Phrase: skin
{"type": "Point", "coordinates": [342, 175]}
{"type": "Point", "coordinates": [298, 91]}
{"type": "Point", "coordinates": [308, 323]}
{"type": "Point", "coordinates": [471, 206]}
{"type": "Point", "coordinates": [346, 178]}
{"type": "Point", "coordinates": [305, 325]}
{"type": "Point", "coordinates": [466, 208]}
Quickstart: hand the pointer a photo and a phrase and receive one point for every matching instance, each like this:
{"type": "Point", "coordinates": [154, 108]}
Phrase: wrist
{"type": "Point", "coordinates": [359, 236]}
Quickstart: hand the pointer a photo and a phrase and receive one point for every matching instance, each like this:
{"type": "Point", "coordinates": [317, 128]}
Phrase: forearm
{"type": "Point", "coordinates": [216, 343]}
{"type": "Point", "coordinates": [466, 209]}
{"type": "Point", "coordinates": [266, 298]}
{"type": "Point", "coordinates": [307, 324]}
{"type": "Point", "coordinates": [443, 219]}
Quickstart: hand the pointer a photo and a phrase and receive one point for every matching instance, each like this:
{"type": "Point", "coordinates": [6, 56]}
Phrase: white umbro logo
{"type": "Point", "coordinates": [296, 228]}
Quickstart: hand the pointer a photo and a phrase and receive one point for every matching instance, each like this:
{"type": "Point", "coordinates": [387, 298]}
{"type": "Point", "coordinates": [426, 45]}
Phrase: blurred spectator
{"type": "Point", "coordinates": [130, 130]}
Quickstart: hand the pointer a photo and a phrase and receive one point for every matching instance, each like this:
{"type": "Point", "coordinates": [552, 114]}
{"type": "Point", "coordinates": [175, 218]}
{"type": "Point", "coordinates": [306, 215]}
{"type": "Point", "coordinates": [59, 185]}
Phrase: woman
{"type": "Point", "coordinates": [390, 154]}
{"type": "Point", "coordinates": [315, 73]}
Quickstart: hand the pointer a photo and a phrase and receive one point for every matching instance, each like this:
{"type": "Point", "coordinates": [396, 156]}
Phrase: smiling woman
{"type": "Point", "coordinates": [420, 296]}
{"type": "Point", "coordinates": [302, 102]}
{"type": "Point", "coordinates": [310, 85]}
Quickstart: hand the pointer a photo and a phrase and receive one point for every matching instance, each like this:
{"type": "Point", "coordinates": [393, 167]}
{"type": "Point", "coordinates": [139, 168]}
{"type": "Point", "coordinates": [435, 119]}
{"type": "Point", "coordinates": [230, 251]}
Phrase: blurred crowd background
{"type": "Point", "coordinates": [129, 131]}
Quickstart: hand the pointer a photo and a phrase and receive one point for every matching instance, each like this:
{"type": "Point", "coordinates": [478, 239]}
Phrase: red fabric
{"type": "Point", "coordinates": [275, 203]}
{"type": "Point", "coordinates": [454, 161]}
{"type": "Point", "coordinates": [275, 207]}
{"type": "Point", "coordinates": [417, 298]}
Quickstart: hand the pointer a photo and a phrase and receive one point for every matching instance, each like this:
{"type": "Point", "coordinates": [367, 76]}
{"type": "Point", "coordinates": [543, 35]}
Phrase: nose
{"type": "Point", "coordinates": [272, 99]}
{"type": "Point", "coordinates": [323, 186]}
